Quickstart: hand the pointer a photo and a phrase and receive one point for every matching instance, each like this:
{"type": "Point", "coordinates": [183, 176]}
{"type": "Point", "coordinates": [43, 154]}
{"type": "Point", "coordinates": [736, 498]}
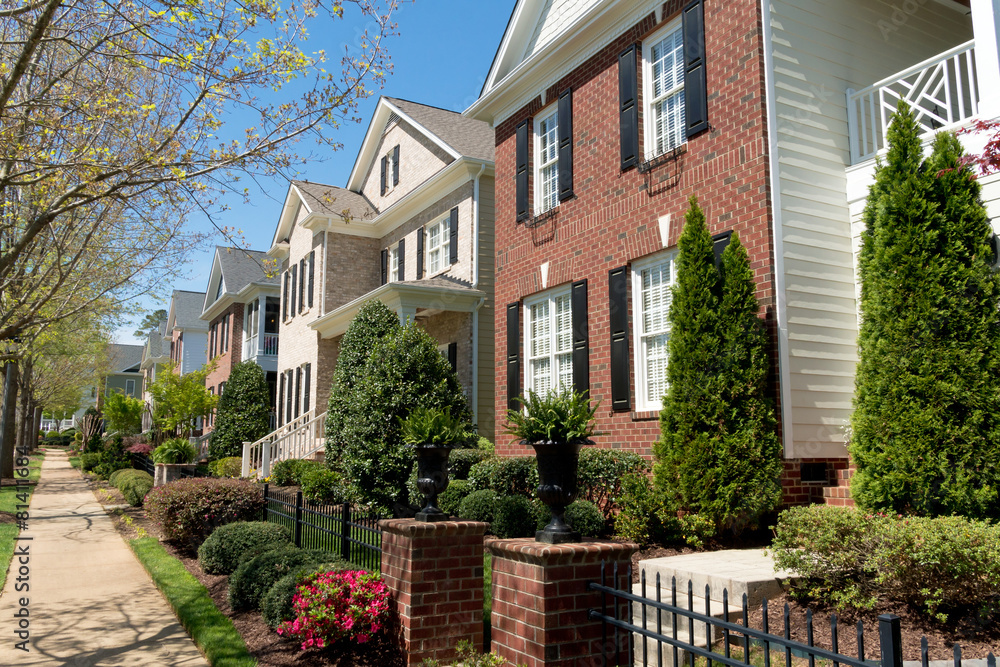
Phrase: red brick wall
{"type": "Point", "coordinates": [233, 356]}
{"type": "Point", "coordinates": [614, 218]}
{"type": "Point", "coordinates": [834, 491]}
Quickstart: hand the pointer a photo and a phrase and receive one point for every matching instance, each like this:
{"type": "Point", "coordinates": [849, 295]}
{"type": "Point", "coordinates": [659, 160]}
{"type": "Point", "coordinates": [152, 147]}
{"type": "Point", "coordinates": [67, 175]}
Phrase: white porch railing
{"type": "Point", "coordinates": [201, 445]}
{"type": "Point", "coordinates": [942, 91]}
{"type": "Point", "coordinates": [270, 346]}
{"type": "Point", "coordinates": [299, 438]}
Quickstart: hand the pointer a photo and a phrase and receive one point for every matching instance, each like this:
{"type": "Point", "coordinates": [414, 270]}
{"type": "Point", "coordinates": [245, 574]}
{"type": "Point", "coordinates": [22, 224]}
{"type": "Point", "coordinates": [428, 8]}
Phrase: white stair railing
{"type": "Point", "coordinates": [299, 438]}
{"type": "Point", "coordinates": [942, 91]}
{"type": "Point", "coordinates": [201, 445]}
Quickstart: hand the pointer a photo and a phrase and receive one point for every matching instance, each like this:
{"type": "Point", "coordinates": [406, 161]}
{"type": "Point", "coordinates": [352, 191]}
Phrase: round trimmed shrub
{"type": "Point", "coordinates": [585, 518]}
{"type": "Point", "coordinates": [478, 506]}
{"type": "Point", "coordinates": [462, 460]}
{"type": "Point", "coordinates": [113, 477]}
{"type": "Point", "coordinates": [513, 516]}
{"type": "Point", "coordinates": [231, 466]}
{"type": "Point", "coordinates": [289, 471]}
{"type": "Point", "coordinates": [452, 498]}
{"type": "Point", "coordinates": [254, 577]}
{"type": "Point", "coordinates": [134, 485]}
{"type": "Point", "coordinates": [323, 486]}
{"type": "Point", "coordinates": [189, 510]}
{"type": "Point", "coordinates": [276, 606]}
{"type": "Point", "coordinates": [233, 543]}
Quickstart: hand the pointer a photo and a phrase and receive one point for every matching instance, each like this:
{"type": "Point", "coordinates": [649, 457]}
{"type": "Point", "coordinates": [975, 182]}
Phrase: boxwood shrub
{"type": "Point", "coordinates": [231, 466]}
{"type": "Point", "coordinates": [513, 516]}
{"type": "Point", "coordinates": [585, 518]}
{"type": "Point", "coordinates": [323, 486]}
{"type": "Point", "coordinates": [276, 605]}
{"type": "Point", "coordinates": [134, 485]}
{"type": "Point", "coordinates": [516, 475]}
{"type": "Point", "coordinates": [600, 474]}
{"type": "Point", "coordinates": [460, 461]}
{"type": "Point", "coordinates": [188, 510]}
{"type": "Point", "coordinates": [478, 506]}
{"type": "Point", "coordinates": [289, 471]}
{"type": "Point", "coordinates": [233, 543]}
{"type": "Point", "coordinates": [452, 498]}
{"type": "Point", "coordinates": [254, 577]}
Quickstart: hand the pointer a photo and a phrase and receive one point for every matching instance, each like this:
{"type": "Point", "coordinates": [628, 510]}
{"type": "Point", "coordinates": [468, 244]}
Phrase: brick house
{"type": "Point", "coordinates": [609, 116]}
{"type": "Point", "coordinates": [412, 228]}
{"type": "Point", "coordinates": [241, 309]}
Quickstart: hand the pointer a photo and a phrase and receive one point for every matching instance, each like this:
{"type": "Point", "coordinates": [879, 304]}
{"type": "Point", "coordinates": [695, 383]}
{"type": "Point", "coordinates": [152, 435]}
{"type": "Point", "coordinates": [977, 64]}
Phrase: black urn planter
{"type": "Point", "coordinates": [557, 466]}
{"type": "Point", "coordinates": [432, 478]}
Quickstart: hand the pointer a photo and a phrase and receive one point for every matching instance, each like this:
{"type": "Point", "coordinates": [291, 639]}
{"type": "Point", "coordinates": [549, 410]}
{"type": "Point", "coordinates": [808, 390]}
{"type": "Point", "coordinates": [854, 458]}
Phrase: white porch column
{"type": "Point", "coordinates": [408, 314]}
{"type": "Point", "coordinates": [985, 30]}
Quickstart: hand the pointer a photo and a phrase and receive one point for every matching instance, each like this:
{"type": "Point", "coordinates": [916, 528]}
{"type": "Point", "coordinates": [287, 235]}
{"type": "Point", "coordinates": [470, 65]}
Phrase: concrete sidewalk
{"type": "Point", "coordinates": [90, 601]}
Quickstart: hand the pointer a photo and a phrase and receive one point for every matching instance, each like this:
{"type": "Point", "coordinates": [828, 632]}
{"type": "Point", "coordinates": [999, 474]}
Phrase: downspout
{"type": "Point", "coordinates": [475, 283]}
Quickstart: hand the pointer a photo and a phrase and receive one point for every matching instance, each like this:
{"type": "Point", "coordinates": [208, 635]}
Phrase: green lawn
{"type": "Point", "coordinates": [10, 497]}
{"type": "Point", "coordinates": [211, 630]}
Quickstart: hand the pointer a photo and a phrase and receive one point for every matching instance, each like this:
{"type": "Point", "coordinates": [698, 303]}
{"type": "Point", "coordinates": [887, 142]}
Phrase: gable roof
{"type": "Point", "coordinates": [124, 358]}
{"type": "Point", "coordinates": [185, 309]}
{"type": "Point", "coordinates": [321, 199]}
{"type": "Point", "coordinates": [235, 269]}
{"type": "Point", "coordinates": [456, 135]}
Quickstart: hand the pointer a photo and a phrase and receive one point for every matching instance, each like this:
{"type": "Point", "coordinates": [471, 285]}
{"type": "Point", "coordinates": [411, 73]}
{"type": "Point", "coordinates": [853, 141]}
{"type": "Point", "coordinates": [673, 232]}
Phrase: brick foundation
{"type": "Point", "coordinates": [540, 599]}
{"type": "Point", "coordinates": [435, 573]}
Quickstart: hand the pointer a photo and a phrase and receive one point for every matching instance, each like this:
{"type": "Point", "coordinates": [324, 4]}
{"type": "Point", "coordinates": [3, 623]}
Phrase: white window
{"type": "Point", "coordinates": [393, 270]}
{"type": "Point", "coordinates": [388, 172]}
{"type": "Point", "coordinates": [437, 246]}
{"type": "Point", "coordinates": [652, 280]}
{"type": "Point", "coordinates": [663, 90]}
{"type": "Point", "coordinates": [547, 161]}
{"type": "Point", "coordinates": [130, 388]}
{"type": "Point", "coordinates": [548, 342]}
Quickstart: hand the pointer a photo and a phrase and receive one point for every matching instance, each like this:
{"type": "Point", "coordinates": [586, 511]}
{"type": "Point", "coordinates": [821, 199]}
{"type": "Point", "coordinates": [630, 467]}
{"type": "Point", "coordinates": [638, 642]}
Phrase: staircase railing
{"type": "Point", "coordinates": [201, 445]}
{"type": "Point", "coordinates": [299, 438]}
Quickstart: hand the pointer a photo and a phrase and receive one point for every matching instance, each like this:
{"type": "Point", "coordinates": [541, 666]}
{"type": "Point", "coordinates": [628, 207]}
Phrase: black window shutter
{"type": "Point", "coordinates": [420, 253]}
{"type": "Point", "coordinates": [298, 390]}
{"type": "Point", "coordinates": [305, 393]}
{"type": "Point", "coordinates": [695, 80]}
{"type": "Point", "coordinates": [293, 281]}
{"type": "Point", "coordinates": [521, 172]}
{"type": "Point", "coordinates": [453, 241]}
{"type": "Point", "coordinates": [719, 243]}
{"type": "Point", "coordinates": [302, 283]}
{"type": "Point", "coordinates": [402, 254]}
{"type": "Point", "coordinates": [385, 265]}
{"type": "Point", "coordinates": [284, 299]}
{"type": "Point", "coordinates": [384, 161]}
{"type": "Point", "coordinates": [513, 355]}
{"type": "Point", "coordinates": [453, 356]}
{"type": "Point", "coordinates": [312, 275]}
{"type": "Point", "coordinates": [395, 165]}
{"type": "Point", "coordinates": [581, 343]}
{"type": "Point", "coordinates": [566, 145]}
{"type": "Point", "coordinates": [281, 399]}
{"type": "Point", "coordinates": [628, 99]}
{"type": "Point", "coordinates": [288, 397]}
{"type": "Point", "coordinates": [618, 319]}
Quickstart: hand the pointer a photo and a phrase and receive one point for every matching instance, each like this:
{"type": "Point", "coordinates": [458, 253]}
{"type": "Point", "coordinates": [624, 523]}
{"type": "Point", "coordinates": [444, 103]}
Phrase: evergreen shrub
{"type": "Point", "coordinates": [231, 466]}
{"type": "Point", "coordinates": [288, 472]}
{"type": "Point", "coordinates": [450, 500]}
{"type": "Point", "coordinates": [243, 413]}
{"type": "Point", "coordinates": [233, 543]}
{"type": "Point", "coordinates": [478, 506]}
{"type": "Point", "coordinates": [513, 516]}
{"type": "Point", "coordinates": [134, 485]}
{"type": "Point", "coordinates": [276, 605]}
{"type": "Point", "coordinates": [600, 473]}
{"type": "Point", "coordinates": [189, 510]}
{"type": "Point", "coordinates": [515, 475]}
{"type": "Point", "coordinates": [585, 518]}
{"type": "Point", "coordinates": [324, 486]}
{"type": "Point", "coordinates": [254, 577]}
{"type": "Point", "coordinates": [460, 461]}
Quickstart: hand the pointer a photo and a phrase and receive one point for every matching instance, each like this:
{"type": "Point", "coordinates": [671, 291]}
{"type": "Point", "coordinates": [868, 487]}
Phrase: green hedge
{"type": "Point", "coordinates": [233, 543]}
{"type": "Point", "coordinates": [255, 577]}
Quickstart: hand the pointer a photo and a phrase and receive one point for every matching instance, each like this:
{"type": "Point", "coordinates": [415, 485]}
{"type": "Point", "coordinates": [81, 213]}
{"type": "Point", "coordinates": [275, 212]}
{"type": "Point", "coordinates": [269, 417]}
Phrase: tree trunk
{"type": "Point", "coordinates": [36, 426]}
{"type": "Point", "coordinates": [7, 432]}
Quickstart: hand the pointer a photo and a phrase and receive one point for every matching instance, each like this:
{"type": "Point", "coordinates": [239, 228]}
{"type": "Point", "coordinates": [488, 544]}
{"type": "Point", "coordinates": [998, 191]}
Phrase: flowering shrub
{"type": "Point", "coordinates": [336, 605]}
{"type": "Point", "coordinates": [188, 510]}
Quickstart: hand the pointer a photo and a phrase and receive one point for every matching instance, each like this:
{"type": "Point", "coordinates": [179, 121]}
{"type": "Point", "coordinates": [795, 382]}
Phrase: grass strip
{"type": "Point", "coordinates": [211, 630]}
{"type": "Point", "coordinates": [75, 462]}
{"type": "Point", "coordinates": [11, 496]}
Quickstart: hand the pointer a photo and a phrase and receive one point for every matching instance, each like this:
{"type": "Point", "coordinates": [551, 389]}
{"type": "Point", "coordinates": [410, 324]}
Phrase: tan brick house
{"type": "Point", "coordinates": [413, 228]}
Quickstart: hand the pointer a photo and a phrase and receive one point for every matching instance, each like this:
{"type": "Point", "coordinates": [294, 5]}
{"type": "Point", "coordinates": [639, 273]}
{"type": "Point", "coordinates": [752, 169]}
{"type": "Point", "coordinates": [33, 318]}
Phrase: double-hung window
{"type": "Point", "coordinates": [392, 275]}
{"type": "Point", "coordinates": [652, 280]}
{"type": "Point", "coordinates": [547, 161]}
{"type": "Point", "coordinates": [549, 342]}
{"type": "Point", "coordinates": [663, 81]}
{"type": "Point", "coordinates": [438, 236]}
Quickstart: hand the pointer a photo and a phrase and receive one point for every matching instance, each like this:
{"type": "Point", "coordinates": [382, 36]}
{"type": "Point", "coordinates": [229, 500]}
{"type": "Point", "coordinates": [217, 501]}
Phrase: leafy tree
{"type": "Point", "coordinates": [719, 454]}
{"type": "Point", "coordinates": [926, 424]}
{"type": "Point", "coordinates": [123, 413]}
{"type": "Point", "coordinates": [117, 120]}
{"type": "Point", "coordinates": [243, 413]}
{"type": "Point", "coordinates": [404, 371]}
{"type": "Point", "coordinates": [373, 322]}
{"type": "Point", "coordinates": [150, 322]}
{"type": "Point", "coordinates": [180, 400]}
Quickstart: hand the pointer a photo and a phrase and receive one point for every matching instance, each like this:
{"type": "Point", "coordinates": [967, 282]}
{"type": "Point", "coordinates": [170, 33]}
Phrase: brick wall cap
{"type": "Point", "coordinates": [414, 528]}
{"type": "Point", "coordinates": [527, 550]}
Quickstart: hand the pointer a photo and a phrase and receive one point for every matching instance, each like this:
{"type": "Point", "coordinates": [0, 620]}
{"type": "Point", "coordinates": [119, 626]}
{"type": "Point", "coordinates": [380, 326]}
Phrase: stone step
{"type": "Point", "coordinates": [696, 604]}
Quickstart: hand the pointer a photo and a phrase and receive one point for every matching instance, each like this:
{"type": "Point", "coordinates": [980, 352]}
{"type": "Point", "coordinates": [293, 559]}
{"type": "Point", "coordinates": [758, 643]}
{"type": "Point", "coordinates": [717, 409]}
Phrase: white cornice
{"type": "Point", "coordinates": [248, 293]}
{"type": "Point", "coordinates": [589, 34]}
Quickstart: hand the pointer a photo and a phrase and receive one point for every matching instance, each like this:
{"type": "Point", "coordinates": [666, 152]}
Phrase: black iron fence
{"type": "Point", "coordinates": [669, 633]}
{"type": "Point", "coordinates": [143, 462]}
{"type": "Point", "coordinates": [337, 528]}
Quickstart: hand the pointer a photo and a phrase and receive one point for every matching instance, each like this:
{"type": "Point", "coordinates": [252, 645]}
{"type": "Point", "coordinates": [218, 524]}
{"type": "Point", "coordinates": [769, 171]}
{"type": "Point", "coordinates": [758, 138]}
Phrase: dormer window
{"type": "Point", "coordinates": [390, 171]}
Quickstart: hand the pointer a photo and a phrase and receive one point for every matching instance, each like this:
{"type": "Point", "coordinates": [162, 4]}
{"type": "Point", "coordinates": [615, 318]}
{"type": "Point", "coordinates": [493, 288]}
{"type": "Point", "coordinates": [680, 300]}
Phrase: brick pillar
{"type": "Point", "coordinates": [540, 599]}
{"type": "Point", "coordinates": [435, 573]}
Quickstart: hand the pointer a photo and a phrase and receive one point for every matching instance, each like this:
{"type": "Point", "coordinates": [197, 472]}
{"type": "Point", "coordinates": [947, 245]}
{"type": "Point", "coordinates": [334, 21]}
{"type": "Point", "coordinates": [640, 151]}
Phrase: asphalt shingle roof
{"type": "Point", "coordinates": [243, 267]}
{"type": "Point", "coordinates": [468, 136]}
{"type": "Point", "coordinates": [187, 310]}
{"type": "Point", "coordinates": [333, 200]}
{"type": "Point", "coordinates": [124, 357]}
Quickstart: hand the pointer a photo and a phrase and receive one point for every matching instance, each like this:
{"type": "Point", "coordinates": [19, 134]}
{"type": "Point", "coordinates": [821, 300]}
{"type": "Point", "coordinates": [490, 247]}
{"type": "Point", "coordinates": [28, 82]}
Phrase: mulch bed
{"type": "Point", "coordinates": [976, 634]}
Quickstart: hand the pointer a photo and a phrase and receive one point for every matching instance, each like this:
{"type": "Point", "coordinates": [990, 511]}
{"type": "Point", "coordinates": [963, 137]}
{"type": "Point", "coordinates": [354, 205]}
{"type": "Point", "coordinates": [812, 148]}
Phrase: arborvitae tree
{"type": "Point", "coordinates": [687, 453]}
{"type": "Point", "coordinates": [404, 370]}
{"type": "Point", "coordinates": [373, 322]}
{"type": "Point", "coordinates": [244, 410]}
{"type": "Point", "coordinates": [926, 425]}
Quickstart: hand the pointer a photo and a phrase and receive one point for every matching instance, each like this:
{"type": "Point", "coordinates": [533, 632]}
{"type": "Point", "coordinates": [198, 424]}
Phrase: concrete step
{"type": "Point", "coordinates": [697, 604]}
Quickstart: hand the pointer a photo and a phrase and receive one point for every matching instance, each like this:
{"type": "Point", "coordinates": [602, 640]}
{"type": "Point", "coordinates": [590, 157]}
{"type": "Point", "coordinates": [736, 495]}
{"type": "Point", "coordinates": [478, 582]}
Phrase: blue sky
{"type": "Point", "coordinates": [441, 57]}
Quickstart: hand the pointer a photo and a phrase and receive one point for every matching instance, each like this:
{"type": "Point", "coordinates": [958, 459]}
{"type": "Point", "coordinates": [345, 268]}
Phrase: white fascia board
{"type": "Point", "coordinates": [367, 153]}
{"type": "Point", "coordinates": [286, 218]}
{"type": "Point", "coordinates": [589, 34]}
{"type": "Point", "coordinates": [213, 275]}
